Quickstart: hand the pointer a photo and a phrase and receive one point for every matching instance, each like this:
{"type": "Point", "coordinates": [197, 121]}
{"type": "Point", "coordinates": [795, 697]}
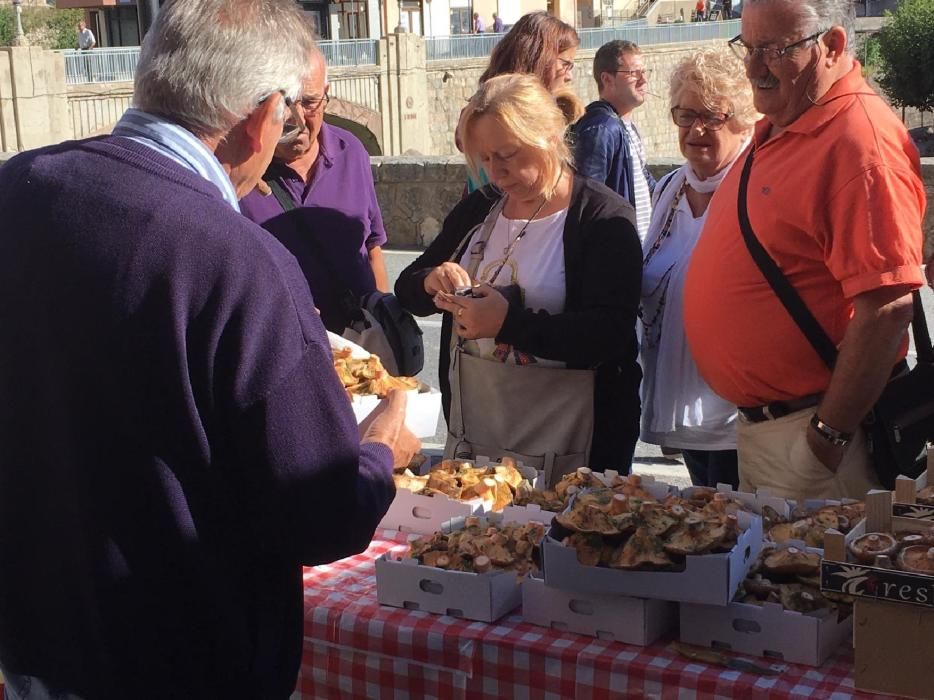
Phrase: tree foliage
{"type": "Point", "coordinates": [44, 26]}
{"type": "Point", "coordinates": [906, 47]}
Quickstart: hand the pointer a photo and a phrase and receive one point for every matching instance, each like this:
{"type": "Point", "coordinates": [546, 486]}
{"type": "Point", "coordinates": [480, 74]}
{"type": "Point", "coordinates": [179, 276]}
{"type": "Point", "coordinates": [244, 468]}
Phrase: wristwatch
{"type": "Point", "coordinates": [831, 435]}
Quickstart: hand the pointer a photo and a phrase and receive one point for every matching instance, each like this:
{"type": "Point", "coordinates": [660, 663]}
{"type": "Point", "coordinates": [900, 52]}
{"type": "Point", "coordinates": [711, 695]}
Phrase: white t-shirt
{"type": "Point", "coordinates": [536, 265]}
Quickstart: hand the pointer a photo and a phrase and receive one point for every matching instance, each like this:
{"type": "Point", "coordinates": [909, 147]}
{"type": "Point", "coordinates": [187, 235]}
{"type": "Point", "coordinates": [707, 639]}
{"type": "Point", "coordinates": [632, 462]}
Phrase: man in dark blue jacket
{"type": "Point", "coordinates": [608, 147]}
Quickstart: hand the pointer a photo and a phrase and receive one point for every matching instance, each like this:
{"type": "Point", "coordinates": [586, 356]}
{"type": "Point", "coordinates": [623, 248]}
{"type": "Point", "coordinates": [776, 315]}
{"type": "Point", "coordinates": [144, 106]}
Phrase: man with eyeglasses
{"type": "Point", "coordinates": [835, 199]}
{"type": "Point", "coordinates": [607, 145]}
{"type": "Point", "coordinates": [333, 225]}
{"type": "Point", "coordinates": [175, 441]}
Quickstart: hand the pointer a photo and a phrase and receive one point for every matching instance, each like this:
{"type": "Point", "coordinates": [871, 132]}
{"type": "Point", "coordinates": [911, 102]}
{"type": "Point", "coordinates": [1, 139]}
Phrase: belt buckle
{"type": "Point", "coordinates": [767, 412]}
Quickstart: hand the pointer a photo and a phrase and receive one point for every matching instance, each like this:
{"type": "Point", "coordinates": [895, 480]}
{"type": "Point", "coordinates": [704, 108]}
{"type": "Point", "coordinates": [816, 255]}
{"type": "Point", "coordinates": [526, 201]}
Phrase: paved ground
{"type": "Point", "coordinates": [649, 459]}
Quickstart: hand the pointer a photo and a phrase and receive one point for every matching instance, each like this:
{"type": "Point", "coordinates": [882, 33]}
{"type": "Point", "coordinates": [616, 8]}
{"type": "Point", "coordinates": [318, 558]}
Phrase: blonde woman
{"type": "Point", "coordinates": [539, 361]}
{"type": "Point", "coordinates": [711, 106]}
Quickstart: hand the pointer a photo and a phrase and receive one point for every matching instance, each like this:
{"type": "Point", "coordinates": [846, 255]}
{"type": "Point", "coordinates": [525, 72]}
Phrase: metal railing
{"type": "Point", "coordinates": [675, 33]}
{"type": "Point", "coordinates": [466, 46]}
{"type": "Point", "coordinates": [460, 46]}
{"type": "Point", "coordinates": [100, 65]}
{"type": "Point", "coordinates": [351, 52]}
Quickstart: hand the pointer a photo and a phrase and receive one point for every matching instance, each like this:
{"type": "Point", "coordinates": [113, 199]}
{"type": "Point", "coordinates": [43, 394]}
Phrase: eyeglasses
{"type": "Point", "coordinates": [566, 66]}
{"type": "Point", "coordinates": [636, 74]}
{"type": "Point", "coordinates": [712, 121]}
{"type": "Point", "coordinates": [770, 55]}
{"type": "Point", "coordinates": [293, 125]}
{"type": "Point", "coordinates": [313, 104]}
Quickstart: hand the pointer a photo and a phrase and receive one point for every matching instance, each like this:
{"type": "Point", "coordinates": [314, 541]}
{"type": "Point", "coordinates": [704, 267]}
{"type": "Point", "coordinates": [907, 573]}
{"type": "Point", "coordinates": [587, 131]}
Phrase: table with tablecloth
{"type": "Point", "coordinates": [355, 647]}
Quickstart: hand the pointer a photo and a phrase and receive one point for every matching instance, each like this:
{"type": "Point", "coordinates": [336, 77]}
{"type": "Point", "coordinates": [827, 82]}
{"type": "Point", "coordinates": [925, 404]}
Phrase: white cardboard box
{"type": "Point", "coordinates": [410, 585]}
{"type": "Point", "coordinates": [619, 618]}
{"type": "Point", "coordinates": [711, 579]}
{"type": "Point", "coordinates": [766, 630]}
{"type": "Point", "coordinates": [424, 515]}
{"type": "Point", "coordinates": [421, 411]}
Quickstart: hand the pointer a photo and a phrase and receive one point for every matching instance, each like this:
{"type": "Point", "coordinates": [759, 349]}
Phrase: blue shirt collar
{"type": "Point", "coordinates": [178, 144]}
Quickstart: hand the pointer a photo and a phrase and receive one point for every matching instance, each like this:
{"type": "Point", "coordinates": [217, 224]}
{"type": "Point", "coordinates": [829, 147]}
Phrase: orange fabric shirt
{"type": "Point", "coordinates": [837, 200]}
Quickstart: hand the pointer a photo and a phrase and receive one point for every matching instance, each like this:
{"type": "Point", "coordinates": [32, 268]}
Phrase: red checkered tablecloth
{"type": "Point", "coordinates": [355, 648]}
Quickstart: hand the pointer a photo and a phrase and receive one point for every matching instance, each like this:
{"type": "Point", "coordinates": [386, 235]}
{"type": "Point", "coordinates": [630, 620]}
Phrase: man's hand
{"type": "Point", "coordinates": [446, 278]}
{"type": "Point", "coordinates": [830, 455]}
{"type": "Point", "coordinates": [386, 424]}
{"type": "Point", "coordinates": [864, 364]}
{"type": "Point", "coordinates": [479, 316]}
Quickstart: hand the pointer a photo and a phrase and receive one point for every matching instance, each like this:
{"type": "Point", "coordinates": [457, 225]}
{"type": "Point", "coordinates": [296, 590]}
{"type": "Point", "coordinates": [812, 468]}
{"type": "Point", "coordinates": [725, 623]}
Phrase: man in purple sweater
{"type": "Point", "coordinates": [175, 443]}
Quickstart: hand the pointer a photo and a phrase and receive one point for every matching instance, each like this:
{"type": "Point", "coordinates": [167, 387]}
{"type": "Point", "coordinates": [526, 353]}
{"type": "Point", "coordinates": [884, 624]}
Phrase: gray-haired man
{"type": "Point", "coordinates": [175, 441]}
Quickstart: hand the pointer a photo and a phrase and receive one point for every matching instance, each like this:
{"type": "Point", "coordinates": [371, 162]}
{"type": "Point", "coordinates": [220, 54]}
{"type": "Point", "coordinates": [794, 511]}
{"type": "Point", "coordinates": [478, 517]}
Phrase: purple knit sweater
{"type": "Point", "coordinates": [174, 443]}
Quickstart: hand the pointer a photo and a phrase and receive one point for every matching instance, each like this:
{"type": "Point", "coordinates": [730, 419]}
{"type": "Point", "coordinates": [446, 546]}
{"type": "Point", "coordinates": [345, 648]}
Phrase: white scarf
{"type": "Point", "coordinates": [710, 184]}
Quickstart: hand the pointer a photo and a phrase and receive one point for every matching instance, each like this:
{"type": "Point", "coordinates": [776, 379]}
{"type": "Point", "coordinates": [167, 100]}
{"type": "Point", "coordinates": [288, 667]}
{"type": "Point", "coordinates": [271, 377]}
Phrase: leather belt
{"type": "Point", "coordinates": [778, 409]}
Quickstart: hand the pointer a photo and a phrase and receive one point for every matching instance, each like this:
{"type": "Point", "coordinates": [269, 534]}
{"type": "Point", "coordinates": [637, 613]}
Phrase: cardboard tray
{"type": "Point", "coordinates": [637, 621]}
{"type": "Point", "coordinates": [424, 515]}
{"type": "Point", "coordinates": [421, 412]}
{"type": "Point", "coordinates": [410, 585]}
{"type": "Point", "coordinates": [767, 630]}
{"type": "Point", "coordinates": [710, 579]}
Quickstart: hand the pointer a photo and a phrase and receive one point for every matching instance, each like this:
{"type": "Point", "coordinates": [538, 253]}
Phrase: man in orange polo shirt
{"type": "Point", "coordinates": [835, 197]}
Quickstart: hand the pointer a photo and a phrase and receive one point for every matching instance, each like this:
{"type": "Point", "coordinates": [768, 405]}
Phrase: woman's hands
{"type": "Point", "coordinates": [446, 278]}
{"type": "Point", "coordinates": [479, 316]}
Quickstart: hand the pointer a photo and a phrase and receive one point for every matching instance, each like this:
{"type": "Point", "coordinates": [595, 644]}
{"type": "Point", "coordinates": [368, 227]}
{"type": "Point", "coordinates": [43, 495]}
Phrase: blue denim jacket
{"type": "Point", "coordinates": [601, 150]}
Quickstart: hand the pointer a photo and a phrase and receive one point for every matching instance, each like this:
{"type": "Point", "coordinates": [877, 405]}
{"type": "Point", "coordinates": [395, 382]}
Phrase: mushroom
{"type": "Point", "coordinates": [791, 561]}
{"type": "Point", "coordinates": [918, 559]}
{"type": "Point", "coordinates": [642, 550]}
{"type": "Point", "coordinates": [770, 518]}
{"type": "Point", "coordinates": [482, 564]}
{"type": "Point", "coordinates": [407, 480]}
{"type": "Point", "coordinates": [657, 518]}
{"type": "Point", "coordinates": [694, 536]}
{"type": "Point", "coordinates": [868, 547]}
{"type": "Point", "coordinates": [588, 546]}
{"type": "Point", "coordinates": [802, 598]}
{"type": "Point", "coordinates": [759, 586]}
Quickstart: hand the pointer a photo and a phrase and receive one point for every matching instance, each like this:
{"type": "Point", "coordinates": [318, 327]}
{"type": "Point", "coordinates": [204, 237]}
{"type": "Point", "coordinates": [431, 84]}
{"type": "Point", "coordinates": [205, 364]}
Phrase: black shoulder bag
{"type": "Point", "coordinates": [902, 420]}
{"type": "Point", "coordinates": [399, 328]}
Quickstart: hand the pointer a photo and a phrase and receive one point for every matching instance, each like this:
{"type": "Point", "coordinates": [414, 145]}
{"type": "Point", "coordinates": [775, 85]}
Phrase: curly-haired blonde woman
{"type": "Point", "coordinates": [711, 105]}
{"type": "Point", "coordinates": [539, 362]}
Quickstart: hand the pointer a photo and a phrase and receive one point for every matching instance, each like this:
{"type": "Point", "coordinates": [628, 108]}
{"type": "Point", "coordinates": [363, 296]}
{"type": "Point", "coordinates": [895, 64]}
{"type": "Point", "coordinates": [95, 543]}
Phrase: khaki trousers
{"type": "Point", "coordinates": [774, 455]}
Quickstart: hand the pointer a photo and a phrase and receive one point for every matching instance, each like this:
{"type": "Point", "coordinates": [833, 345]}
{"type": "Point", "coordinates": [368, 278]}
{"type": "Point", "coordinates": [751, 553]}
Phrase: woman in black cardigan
{"type": "Point", "coordinates": [514, 131]}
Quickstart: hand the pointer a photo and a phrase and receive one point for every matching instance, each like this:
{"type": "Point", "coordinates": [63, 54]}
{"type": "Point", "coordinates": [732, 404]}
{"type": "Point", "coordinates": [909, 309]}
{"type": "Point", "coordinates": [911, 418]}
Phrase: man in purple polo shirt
{"type": "Point", "coordinates": [336, 229]}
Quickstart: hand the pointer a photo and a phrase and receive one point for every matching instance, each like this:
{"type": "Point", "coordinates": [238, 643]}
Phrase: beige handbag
{"type": "Point", "coordinates": [542, 416]}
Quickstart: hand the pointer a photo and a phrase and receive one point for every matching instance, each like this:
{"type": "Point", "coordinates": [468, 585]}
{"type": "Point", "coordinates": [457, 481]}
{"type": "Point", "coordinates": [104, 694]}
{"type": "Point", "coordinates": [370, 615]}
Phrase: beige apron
{"type": "Point", "coordinates": [542, 416]}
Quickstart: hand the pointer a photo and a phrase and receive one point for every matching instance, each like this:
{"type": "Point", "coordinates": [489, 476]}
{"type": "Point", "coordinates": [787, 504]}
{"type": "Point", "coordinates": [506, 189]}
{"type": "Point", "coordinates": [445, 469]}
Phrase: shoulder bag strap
{"type": "Point", "coordinates": [795, 305]}
{"type": "Point", "coordinates": [478, 246]}
{"type": "Point", "coordinates": [786, 293]}
{"type": "Point", "coordinates": [288, 204]}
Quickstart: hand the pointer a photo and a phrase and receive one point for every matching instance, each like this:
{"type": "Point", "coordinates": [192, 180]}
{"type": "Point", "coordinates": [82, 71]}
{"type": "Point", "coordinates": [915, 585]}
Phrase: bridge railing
{"type": "Point", "coordinates": [351, 52]}
{"type": "Point", "coordinates": [466, 46]}
{"type": "Point", "coordinates": [100, 65]}
{"type": "Point", "coordinates": [645, 35]}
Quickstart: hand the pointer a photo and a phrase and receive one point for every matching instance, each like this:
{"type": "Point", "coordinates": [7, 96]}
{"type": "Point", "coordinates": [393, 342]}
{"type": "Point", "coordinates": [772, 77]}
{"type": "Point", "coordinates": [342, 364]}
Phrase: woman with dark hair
{"type": "Point", "coordinates": [544, 46]}
{"type": "Point", "coordinates": [540, 44]}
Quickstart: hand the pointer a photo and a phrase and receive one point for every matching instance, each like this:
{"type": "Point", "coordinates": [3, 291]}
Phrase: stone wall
{"type": "Point", "coordinates": [416, 194]}
{"type": "Point", "coordinates": [33, 100]}
{"type": "Point", "coordinates": [450, 86]}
